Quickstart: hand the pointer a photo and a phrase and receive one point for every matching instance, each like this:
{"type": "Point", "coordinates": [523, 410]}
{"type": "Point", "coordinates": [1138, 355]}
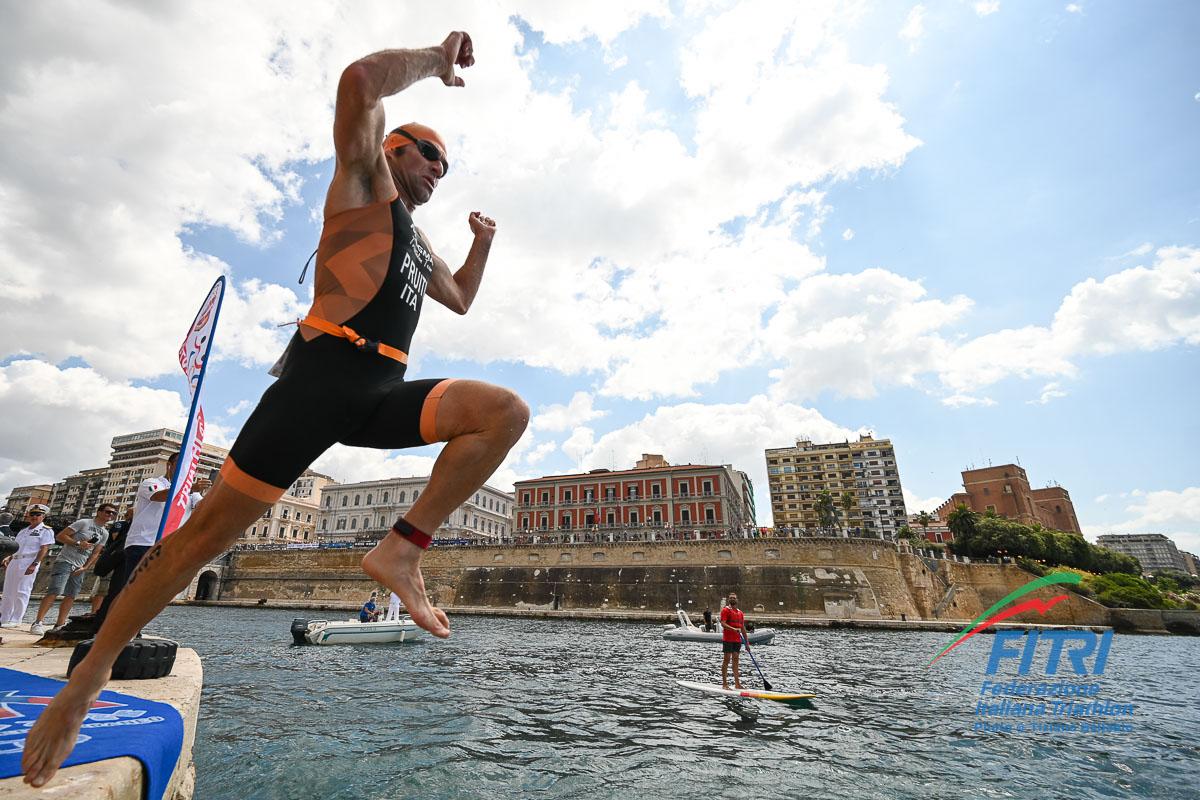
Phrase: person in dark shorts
{"type": "Point", "coordinates": [733, 627]}
{"type": "Point", "coordinates": [342, 379]}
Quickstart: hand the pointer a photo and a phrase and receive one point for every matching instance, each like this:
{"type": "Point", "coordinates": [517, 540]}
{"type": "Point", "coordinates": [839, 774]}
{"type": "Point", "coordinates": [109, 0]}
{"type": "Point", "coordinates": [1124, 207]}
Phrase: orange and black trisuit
{"type": "Point", "coordinates": [342, 377]}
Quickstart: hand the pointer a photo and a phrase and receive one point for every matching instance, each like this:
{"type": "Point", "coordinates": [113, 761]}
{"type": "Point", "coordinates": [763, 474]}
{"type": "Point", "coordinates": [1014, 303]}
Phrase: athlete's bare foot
{"type": "Point", "coordinates": [53, 736]}
{"type": "Point", "coordinates": [396, 563]}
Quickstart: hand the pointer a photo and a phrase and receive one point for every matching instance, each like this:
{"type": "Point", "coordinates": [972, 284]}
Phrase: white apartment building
{"type": "Point", "coordinates": [367, 510]}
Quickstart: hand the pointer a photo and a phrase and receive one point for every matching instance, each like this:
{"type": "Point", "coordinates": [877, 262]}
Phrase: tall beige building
{"type": "Point", "coordinates": [294, 517]}
{"type": "Point", "coordinates": [78, 496]}
{"type": "Point", "coordinates": [138, 456]}
{"type": "Point", "coordinates": [866, 470]}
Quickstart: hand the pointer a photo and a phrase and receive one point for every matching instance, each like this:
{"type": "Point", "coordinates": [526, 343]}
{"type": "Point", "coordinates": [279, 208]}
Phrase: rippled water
{"type": "Point", "coordinates": [537, 708]}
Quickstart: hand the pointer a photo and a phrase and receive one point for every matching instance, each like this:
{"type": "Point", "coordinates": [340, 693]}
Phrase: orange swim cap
{"type": "Point", "coordinates": [395, 141]}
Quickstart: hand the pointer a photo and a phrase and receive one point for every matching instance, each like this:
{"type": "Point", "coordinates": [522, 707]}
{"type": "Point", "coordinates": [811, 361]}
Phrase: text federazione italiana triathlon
{"type": "Point", "coordinates": [1047, 699]}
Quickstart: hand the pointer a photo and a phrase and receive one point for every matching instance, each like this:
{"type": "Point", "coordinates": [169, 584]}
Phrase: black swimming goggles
{"type": "Point", "coordinates": [426, 148]}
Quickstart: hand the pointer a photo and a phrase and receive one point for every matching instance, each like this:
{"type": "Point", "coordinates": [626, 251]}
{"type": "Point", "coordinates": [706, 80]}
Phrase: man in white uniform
{"type": "Point", "coordinates": [21, 568]}
{"type": "Point", "coordinates": [393, 607]}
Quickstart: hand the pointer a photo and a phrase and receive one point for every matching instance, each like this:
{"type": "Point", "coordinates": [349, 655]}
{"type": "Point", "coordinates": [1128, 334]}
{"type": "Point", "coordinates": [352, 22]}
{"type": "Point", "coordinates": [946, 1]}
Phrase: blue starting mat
{"type": "Point", "coordinates": [117, 725]}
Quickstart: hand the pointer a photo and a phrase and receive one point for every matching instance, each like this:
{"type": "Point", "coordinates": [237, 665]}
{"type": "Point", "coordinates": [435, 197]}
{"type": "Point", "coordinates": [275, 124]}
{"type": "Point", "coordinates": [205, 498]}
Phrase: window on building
{"type": "Point", "coordinates": [341, 524]}
{"type": "Point", "coordinates": [685, 515]}
{"type": "Point", "coordinates": [308, 517]}
{"type": "Point", "coordinates": [992, 509]}
{"type": "Point", "coordinates": [415, 493]}
{"type": "Point", "coordinates": [369, 499]}
{"type": "Point", "coordinates": [566, 495]}
{"type": "Point", "coordinates": [344, 498]}
{"type": "Point", "coordinates": [545, 498]}
{"type": "Point", "coordinates": [324, 524]}
{"type": "Point", "coordinates": [633, 518]}
{"type": "Point", "coordinates": [357, 498]}
{"type": "Point", "coordinates": [708, 487]}
{"type": "Point", "coordinates": [354, 524]}
{"type": "Point", "coordinates": [565, 523]}
{"type": "Point", "coordinates": [986, 490]}
{"type": "Point", "coordinates": [710, 515]}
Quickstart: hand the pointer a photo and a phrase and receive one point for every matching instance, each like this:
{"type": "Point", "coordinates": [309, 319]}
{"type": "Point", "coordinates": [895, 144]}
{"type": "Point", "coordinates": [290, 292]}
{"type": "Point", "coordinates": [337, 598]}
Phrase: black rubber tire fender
{"type": "Point", "coordinates": [141, 659]}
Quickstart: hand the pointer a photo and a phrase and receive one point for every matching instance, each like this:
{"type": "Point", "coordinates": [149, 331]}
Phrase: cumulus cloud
{"type": "Point", "coordinates": [560, 417]}
{"type": "Point", "coordinates": [915, 504]}
{"type": "Point", "coordinates": [1050, 391]}
{"type": "Point", "coordinates": [55, 422]}
{"type": "Point", "coordinates": [1172, 513]}
{"type": "Point", "coordinates": [914, 28]}
{"type": "Point", "coordinates": [987, 7]}
{"type": "Point", "coordinates": [847, 234]}
{"type": "Point", "coordinates": [719, 433]}
{"type": "Point", "coordinates": [1074, 8]}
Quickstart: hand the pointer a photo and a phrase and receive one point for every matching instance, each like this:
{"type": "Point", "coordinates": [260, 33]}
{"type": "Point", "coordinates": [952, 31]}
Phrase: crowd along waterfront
{"type": "Point", "coordinates": [538, 708]}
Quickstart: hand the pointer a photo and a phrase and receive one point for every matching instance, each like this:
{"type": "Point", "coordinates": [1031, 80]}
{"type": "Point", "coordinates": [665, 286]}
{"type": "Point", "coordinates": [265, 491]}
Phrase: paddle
{"type": "Point", "coordinates": [766, 683]}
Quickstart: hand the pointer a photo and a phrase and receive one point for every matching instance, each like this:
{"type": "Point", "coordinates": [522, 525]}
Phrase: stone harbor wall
{"type": "Point", "coordinates": [840, 579]}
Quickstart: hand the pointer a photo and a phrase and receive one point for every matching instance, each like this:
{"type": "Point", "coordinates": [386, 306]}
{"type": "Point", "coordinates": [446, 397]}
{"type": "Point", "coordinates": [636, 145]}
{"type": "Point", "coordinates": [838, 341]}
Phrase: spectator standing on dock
{"type": "Point", "coordinates": [733, 628]}
{"type": "Point", "coordinates": [111, 561]}
{"type": "Point", "coordinates": [21, 568]}
{"type": "Point", "coordinates": [82, 543]}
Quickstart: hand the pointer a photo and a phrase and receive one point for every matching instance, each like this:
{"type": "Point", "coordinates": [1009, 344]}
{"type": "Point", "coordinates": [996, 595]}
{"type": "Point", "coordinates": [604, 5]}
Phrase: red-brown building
{"type": "Point", "coordinates": [1005, 490]}
{"type": "Point", "coordinates": [654, 494]}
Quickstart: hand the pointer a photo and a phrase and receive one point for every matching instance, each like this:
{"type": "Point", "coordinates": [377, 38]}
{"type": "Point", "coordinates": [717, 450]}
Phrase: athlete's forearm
{"type": "Point", "coordinates": [470, 274]}
{"type": "Point", "coordinates": [388, 72]}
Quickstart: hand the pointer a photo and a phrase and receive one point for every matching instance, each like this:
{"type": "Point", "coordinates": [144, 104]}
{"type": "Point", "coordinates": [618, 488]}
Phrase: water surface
{"type": "Point", "coordinates": [574, 709]}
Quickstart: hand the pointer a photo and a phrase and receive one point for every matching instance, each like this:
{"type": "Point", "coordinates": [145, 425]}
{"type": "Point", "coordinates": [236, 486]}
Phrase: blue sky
{"type": "Point", "coordinates": [969, 227]}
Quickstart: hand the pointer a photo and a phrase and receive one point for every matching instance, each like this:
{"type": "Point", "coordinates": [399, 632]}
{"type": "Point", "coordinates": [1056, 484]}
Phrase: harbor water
{"type": "Point", "coordinates": [574, 709]}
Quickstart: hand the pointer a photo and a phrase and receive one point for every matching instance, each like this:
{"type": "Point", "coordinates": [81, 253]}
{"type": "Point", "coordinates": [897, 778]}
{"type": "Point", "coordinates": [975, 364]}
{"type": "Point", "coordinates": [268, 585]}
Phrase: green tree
{"type": "Point", "coordinates": [1118, 590]}
{"type": "Point", "coordinates": [923, 519]}
{"type": "Point", "coordinates": [826, 511]}
{"type": "Point", "coordinates": [963, 523]}
{"type": "Point", "coordinates": [847, 507]}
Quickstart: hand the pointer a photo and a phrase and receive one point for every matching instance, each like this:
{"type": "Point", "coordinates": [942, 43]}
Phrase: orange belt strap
{"type": "Point", "coordinates": [361, 342]}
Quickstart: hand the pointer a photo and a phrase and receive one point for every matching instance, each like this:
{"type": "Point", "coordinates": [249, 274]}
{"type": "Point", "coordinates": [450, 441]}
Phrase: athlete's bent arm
{"type": "Point", "coordinates": [358, 119]}
{"type": "Point", "coordinates": [457, 291]}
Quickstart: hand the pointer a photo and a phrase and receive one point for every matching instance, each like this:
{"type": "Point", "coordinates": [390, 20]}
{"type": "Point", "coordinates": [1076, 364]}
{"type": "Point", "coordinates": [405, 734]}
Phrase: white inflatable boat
{"type": "Point", "coordinates": [684, 631]}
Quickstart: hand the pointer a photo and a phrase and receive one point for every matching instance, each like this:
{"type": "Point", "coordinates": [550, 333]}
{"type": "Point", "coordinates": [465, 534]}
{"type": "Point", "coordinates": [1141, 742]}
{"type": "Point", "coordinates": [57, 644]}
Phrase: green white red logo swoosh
{"type": "Point", "coordinates": [994, 614]}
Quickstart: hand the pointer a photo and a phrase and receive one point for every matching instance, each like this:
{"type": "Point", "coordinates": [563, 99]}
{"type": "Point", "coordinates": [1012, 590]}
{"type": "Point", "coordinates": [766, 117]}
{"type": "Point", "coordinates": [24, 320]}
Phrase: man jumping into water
{"type": "Point", "coordinates": [340, 380]}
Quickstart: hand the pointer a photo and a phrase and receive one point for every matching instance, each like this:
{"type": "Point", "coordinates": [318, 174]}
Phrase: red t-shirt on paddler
{"type": "Point", "coordinates": [732, 616]}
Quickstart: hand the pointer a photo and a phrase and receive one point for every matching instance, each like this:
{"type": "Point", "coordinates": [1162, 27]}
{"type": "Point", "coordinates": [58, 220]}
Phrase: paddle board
{"type": "Point", "coordinates": [752, 694]}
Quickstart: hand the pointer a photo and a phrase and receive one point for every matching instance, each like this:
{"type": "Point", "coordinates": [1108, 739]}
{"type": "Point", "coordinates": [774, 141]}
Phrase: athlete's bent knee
{"type": "Point", "coordinates": [513, 416]}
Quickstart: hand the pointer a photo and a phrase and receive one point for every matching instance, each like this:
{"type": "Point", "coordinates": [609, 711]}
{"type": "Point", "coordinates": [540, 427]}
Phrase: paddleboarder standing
{"type": "Point", "coordinates": [733, 627]}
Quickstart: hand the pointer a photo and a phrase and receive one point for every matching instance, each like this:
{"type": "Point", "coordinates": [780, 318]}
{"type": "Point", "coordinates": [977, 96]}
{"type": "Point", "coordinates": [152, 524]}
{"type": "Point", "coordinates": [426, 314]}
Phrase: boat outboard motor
{"type": "Point", "coordinates": [299, 628]}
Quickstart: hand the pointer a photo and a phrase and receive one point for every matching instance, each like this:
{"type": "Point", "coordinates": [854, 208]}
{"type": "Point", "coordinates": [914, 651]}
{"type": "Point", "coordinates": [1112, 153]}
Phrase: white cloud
{"type": "Point", "coordinates": [964, 400]}
{"type": "Point", "coordinates": [986, 7]}
{"type": "Point", "coordinates": [355, 464]}
{"type": "Point", "coordinates": [1138, 309]}
{"type": "Point", "coordinates": [847, 234]}
{"type": "Point", "coordinates": [1175, 514]}
{"type": "Point", "coordinates": [238, 408]}
{"type": "Point", "coordinates": [719, 433]}
{"type": "Point", "coordinates": [1074, 8]}
{"type": "Point", "coordinates": [914, 504]}
{"type": "Point", "coordinates": [55, 422]}
{"type": "Point", "coordinates": [852, 333]}
{"type": "Point", "coordinates": [1101, 498]}
{"type": "Point", "coordinates": [563, 23]}
{"type": "Point", "coordinates": [1050, 391]}
{"type": "Point", "coordinates": [914, 28]}
{"type": "Point", "coordinates": [565, 417]}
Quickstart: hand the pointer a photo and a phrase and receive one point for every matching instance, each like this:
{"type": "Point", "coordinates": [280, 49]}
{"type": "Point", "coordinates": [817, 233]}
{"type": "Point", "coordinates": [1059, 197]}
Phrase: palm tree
{"type": "Point", "coordinates": [923, 519]}
{"type": "Point", "coordinates": [847, 506]}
